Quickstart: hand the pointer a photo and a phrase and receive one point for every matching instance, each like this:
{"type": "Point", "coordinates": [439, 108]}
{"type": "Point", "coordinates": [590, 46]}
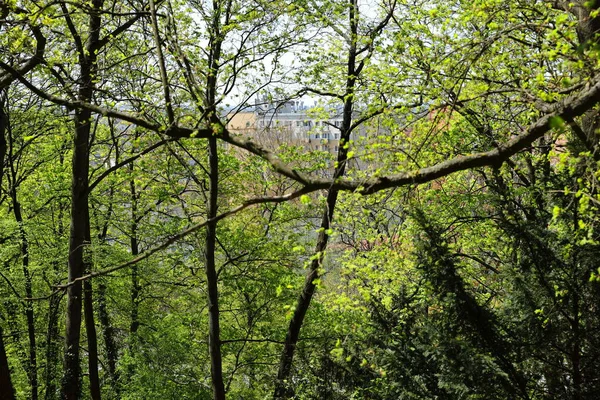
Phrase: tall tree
{"type": "Point", "coordinates": [79, 241]}
{"type": "Point", "coordinates": [7, 391]}
{"type": "Point", "coordinates": [358, 54]}
{"type": "Point", "coordinates": [32, 370]}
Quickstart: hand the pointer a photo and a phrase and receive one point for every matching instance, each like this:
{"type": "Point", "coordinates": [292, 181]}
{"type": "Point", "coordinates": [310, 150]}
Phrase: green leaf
{"type": "Point", "coordinates": [556, 122]}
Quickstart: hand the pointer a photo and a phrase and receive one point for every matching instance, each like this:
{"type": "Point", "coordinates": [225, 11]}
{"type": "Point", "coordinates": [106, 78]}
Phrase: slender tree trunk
{"type": "Point", "coordinates": [283, 389]}
{"type": "Point", "coordinates": [52, 334]}
{"type": "Point", "coordinates": [6, 388]}
{"type": "Point", "coordinates": [3, 128]}
{"type": "Point", "coordinates": [135, 250]}
{"type": "Point", "coordinates": [106, 328]}
{"type": "Point", "coordinates": [90, 326]}
{"type": "Point", "coordinates": [79, 231]}
{"type": "Point", "coordinates": [29, 314]}
{"type": "Point", "coordinates": [109, 339]}
{"type": "Point", "coordinates": [576, 352]}
{"type": "Point", "coordinates": [7, 391]}
{"type": "Point", "coordinates": [134, 323]}
{"type": "Point", "coordinates": [28, 305]}
{"type": "Point", "coordinates": [51, 348]}
{"type": "Point", "coordinates": [92, 339]}
{"type": "Point", "coordinates": [135, 292]}
{"type": "Point", "coordinates": [214, 341]}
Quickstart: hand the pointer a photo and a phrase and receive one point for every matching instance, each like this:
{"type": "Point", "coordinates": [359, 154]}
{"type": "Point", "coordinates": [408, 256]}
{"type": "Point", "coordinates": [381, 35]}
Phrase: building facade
{"type": "Point", "coordinates": [289, 123]}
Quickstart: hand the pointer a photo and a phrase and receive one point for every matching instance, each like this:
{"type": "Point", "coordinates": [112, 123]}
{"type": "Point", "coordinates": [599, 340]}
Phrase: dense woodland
{"type": "Point", "coordinates": [450, 251]}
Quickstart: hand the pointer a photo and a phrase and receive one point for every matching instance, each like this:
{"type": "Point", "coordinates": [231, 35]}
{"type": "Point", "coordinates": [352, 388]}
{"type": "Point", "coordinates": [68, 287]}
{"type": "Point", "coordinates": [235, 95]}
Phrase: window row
{"type": "Point", "coordinates": [306, 124]}
{"type": "Point", "coordinates": [326, 135]}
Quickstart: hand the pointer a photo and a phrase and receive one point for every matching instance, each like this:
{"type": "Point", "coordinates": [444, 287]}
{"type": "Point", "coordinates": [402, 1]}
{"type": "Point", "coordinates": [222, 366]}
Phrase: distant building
{"type": "Point", "coordinates": [242, 123]}
{"type": "Point", "coordinates": [288, 123]}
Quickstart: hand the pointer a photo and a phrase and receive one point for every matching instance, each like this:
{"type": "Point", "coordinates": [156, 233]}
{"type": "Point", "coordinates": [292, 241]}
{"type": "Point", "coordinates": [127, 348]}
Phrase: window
{"type": "Point", "coordinates": [324, 147]}
{"type": "Point", "coordinates": [298, 123]}
{"type": "Point", "coordinates": [337, 123]}
{"type": "Point", "coordinates": [336, 148]}
{"type": "Point", "coordinates": [316, 136]}
{"type": "Point", "coordinates": [336, 136]}
{"type": "Point", "coordinates": [325, 135]}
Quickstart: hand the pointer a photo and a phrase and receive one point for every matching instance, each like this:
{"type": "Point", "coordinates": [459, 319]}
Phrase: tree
{"type": "Point", "coordinates": [353, 48]}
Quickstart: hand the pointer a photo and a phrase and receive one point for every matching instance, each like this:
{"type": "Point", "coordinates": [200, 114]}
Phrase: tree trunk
{"type": "Point", "coordinates": [79, 215]}
{"type": "Point", "coordinates": [283, 389]}
{"type": "Point", "coordinates": [31, 368]}
{"type": "Point", "coordinates": [134, 323]}
{"type": "Point", "coordinates": [90, 326]}
{"type": "Point", "coordinates": [7, 391]}
{"type": "Point", "coordinates": [51, 348]}
{"type": "Point", "coordinates": [6, 388]}
{"type": "Point", "coordinates": [575, 353]}
{"type": "Point", "coordinates": [109, 339]}
{"type": "Point", "coordinates": [214, 341]}
{"type": "Point", "coordinates": [29, 315]}
{"type": "Point", "coordinates": [79, 231]}
{"type": "Point", "coordinates": [3, 127]}
{"type": "Point", "coordinates": [92, 339]}
{"type": "Point", "coordinates": [52, 334]}
{"type": "Point", "coordinates": [135, 250]}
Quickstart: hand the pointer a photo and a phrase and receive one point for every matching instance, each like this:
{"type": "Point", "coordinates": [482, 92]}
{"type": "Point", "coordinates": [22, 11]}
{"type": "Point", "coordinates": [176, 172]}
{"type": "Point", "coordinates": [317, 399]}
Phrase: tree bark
{"type": "Point", "coordinates": [79, 214]}
{"type": "Point", "coordinates": [109, 339]}
{"type": "Point", "coordinates": [79, 230]}
{"type": "Point", "coordinates": [31, 369]}
{"type": "Point", "coordinates": [92, 339]}
{"type": "Point", "coordinates": [32, 374]}
{"type": "Point", "coordinates": [212, 279]}
{"type": "Point", "coordinates": [3, 127]}
{"type": "Point", "coordinates": [90, 326]}
{"type": "Point", "coordinates": [283, 389]}
{"type": "Point", "coordinates": [52, 334]}
{"type": "Point", "coordinates": [214, 341]}
{"type": "Point", "coordinates": [52, 348]}
{"type": "Point", "coordinates": [134, 322]}
{"type": "Point", "coordinates": [7, 391]}
{"type": "Point", "coordinates": [135, 251]}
